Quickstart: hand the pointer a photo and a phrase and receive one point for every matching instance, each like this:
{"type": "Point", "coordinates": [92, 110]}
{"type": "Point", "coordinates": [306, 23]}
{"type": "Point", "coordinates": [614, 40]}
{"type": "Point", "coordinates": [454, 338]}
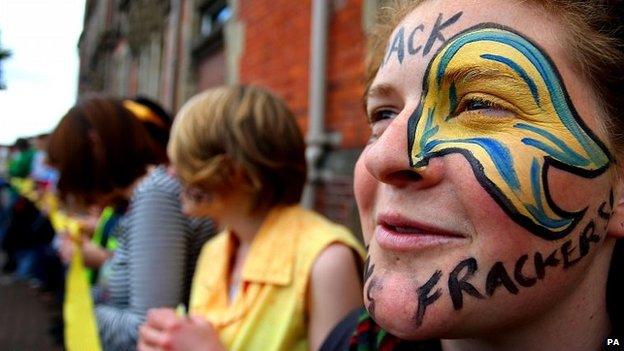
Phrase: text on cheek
{"type": "Point", "coordinates": [512, 279]}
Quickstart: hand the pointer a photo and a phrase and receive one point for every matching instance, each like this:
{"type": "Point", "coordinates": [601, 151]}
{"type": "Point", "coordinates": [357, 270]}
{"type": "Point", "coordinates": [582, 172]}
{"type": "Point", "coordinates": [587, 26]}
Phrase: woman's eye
{"type": "Point", "coordinates": [474, 105]}
{"type": "Point", "coordinates": [380, 115]}
{"type": "Point", "coordinates": [483, 106]}
{"type": "Point", "coordinates": [379, 120]}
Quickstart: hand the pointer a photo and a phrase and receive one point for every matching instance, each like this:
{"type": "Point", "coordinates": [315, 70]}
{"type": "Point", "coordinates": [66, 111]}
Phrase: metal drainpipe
{"type": "Point", "coordinates": [176, 7]}
{"type": "Point", "coordinates": [317, 138]}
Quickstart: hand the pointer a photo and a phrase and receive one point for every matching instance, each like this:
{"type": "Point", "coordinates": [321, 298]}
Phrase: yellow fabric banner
{"type": "Point", "coordinates": [81, 332]}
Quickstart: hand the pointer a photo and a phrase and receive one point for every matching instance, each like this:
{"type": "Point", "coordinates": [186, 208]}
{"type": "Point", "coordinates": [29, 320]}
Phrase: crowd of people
{"type": "Point", "coordinates": [490, 194]}
{"type": "Point", "coordinates": [25, 232]}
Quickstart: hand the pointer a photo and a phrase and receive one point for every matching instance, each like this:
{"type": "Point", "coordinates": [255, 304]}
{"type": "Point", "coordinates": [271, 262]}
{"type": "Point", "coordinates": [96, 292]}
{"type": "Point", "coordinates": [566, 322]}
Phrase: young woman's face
{"type": "Point", "coordinates": [196, 202]}
{"type": "Point", "coordinates": [223, 206]}
{"type": "Point", "coordinates": [216, 205]}
{"type": "Point", "coordinates": [486, 188]}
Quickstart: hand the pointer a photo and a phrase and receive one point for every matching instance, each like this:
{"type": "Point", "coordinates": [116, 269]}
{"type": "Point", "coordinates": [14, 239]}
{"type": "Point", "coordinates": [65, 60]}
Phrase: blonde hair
{"type": "Point", "coordinates": [240, 128]}
{"type": "Point", "coordinates": [595, 44]}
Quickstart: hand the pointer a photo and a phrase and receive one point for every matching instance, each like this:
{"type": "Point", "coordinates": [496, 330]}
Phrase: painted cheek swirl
{"type": "Point", "coordinates": [510, 157]}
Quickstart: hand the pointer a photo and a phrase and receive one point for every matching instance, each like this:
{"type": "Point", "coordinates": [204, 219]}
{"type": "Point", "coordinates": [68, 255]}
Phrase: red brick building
{"type": "Point", "coordinates": [172, 49]}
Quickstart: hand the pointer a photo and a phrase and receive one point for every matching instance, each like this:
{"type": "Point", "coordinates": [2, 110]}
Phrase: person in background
{"type": "Point", "coordinates": [43, 175]}
{"type": "Point", "coordinates": [27, 232]}
{"type": "Point", "coordinates": [278, 276]}
{"type": "Point", "coordinates": [106, 151]}
{"type": "Point", "coordinates": [5, 213]}
{"type": "Point", "coordinates": [103, 239]}
{"type": "Point", "coordinates": [4, 162]}
{"type": "Point", "coordinates": [491, 190]}
{"type": "Point", "coordinates": [21, 163]}
{"type": "Point", "coordinates": [97, 227]}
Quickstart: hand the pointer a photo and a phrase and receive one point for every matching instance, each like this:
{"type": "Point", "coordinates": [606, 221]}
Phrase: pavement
{"type": "Point", "coordinates": [26, 317]}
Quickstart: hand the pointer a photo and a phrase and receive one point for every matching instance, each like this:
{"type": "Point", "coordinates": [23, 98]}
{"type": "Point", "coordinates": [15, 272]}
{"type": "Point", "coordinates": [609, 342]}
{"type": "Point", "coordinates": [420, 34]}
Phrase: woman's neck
{"type": "Point", "coordinates": [245, 227]}
{"type": "Point", "coordinates": [579, 322]}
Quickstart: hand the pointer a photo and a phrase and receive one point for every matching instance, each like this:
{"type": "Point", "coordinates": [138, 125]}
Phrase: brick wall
{"type": "Point", "coordinates": [345, 66]}
{"type": "Point", "coordinates": [276, 54]}
{"type": "Point", "coordinates": [211, 71]}
{"type": "Point", "coordinates": [276, 49]}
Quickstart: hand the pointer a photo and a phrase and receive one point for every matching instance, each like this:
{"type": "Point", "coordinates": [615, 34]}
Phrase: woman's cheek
{"type": "Point", "coordinates": [513, 273]}
{"type": "Point", "coordinates": [190, 208]}
{"type": "Point", "coordinates": [365, 187]}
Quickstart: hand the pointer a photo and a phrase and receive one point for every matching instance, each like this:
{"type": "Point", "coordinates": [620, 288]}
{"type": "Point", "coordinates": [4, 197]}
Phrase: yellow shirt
{"type": "Point", "coordinates": [269, 310]}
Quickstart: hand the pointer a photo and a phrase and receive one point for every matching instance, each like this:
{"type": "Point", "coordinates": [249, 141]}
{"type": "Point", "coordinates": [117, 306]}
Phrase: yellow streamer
{"type": "Point", "coordinates": [81, 332]}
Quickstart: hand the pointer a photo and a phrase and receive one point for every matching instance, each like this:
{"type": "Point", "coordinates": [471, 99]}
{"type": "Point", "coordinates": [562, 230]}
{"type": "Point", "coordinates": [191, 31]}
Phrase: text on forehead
{"type": "Point", "coordinates": [400, 45]}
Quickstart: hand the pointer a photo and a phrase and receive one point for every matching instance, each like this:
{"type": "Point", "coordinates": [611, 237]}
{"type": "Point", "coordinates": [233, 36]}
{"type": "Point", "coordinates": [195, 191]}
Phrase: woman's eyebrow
{"type": "Point", "coordinates": [466, 75]}
{"type": "Point", "coordinates": [376, 91]}
{"type": "Point", "coordinates": [380, 90]}
{"type": "Point", "coordinates": [472, 73]}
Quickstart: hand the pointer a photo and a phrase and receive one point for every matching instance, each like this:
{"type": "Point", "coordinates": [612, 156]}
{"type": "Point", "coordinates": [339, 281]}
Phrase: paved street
{"type": "Point", "coordinates": [25, 318]}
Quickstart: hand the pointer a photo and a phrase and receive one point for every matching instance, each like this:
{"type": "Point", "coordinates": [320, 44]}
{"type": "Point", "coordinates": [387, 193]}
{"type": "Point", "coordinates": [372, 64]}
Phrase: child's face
{"type": "Point", "coordinates": [486, 188]}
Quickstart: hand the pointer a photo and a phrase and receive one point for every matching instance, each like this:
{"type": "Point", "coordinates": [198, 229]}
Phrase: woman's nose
{"type": "Point", "coordinates": [387, 159]}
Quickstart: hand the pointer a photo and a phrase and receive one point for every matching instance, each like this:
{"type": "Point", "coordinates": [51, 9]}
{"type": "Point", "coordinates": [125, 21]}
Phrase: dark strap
{"type": "Point", "coordinates": [338, 338]}
{"type": "Point", "coordinates": [359, 332]}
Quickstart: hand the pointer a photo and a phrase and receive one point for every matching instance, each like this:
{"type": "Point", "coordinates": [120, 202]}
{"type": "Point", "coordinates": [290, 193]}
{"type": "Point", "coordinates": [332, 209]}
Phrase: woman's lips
{"type": "Point", "coordinates": [398, 233]}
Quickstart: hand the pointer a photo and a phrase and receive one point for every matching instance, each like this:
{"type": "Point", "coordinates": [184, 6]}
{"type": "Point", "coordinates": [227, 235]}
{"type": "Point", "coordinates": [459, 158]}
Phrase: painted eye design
{"type": "Point", "coordinates": [484, 107]}
{"type": "Point", "coordinates": [529, 128]}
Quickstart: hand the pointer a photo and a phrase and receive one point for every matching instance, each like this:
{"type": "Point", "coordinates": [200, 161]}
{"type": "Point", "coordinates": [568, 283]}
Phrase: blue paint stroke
{"type": "Point", "coordinates": [500, 155]}
{"type": "Point", "coordinates": [519, 70]}
{"type": "Point", "coordinates": [565, 154]}
{"type": "Point", "coordinates": [538, 211]}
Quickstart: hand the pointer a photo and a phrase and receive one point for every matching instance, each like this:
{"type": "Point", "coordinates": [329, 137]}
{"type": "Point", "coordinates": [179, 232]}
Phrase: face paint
{"type": "Point", "coordinates": [496, 98]}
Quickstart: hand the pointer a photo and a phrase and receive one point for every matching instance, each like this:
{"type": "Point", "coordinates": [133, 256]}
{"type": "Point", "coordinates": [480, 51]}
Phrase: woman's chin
{"type": "Point", "coordinates": [402, 319]}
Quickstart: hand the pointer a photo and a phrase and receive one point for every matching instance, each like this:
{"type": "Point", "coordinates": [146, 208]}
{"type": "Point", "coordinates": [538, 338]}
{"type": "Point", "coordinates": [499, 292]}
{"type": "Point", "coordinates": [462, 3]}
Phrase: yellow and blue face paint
{"type": "Point", "coordinates": [494, 97]}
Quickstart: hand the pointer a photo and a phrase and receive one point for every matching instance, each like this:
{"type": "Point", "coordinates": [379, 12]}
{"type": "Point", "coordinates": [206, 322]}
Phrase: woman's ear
{"type": "Point", "coordinates": [615, 229]}
{"type": "Point", "coordinates": [245, 180]}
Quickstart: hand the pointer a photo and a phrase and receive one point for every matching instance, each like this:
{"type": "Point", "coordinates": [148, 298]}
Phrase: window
{"type": "Point", "coordinates": [212, 21]}
{"type": "Point", "coordinates": [212, 16]}
{"type": "Point", "coordinates": [208, 52]}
